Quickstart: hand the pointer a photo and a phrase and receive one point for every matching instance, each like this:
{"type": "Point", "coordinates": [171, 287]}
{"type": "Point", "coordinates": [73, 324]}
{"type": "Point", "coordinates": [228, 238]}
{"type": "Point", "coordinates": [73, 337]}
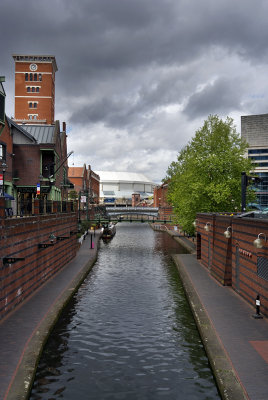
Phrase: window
{"type": "Point", "coordinates": [262, 267]}
{"type": "Point", "coordinates": [37, 88]}
{"type": "Point", "coordinates": [35, 105]}
{"type": "Point", "coordinates": [2, 152]}
{"type": "Point", "coordinates": [26, 76]}
{"type": "Point", "coordinates": [32, 116]}
{"type": "Point", "coordinates": [28, 89]}
{"type": "Point", "coordinates": [258, 151]}
{"type": "Point", "coordinates": [30, 105]}
{"type": "Point", "coordinates": [35, 77]}
{"type": "Point", "coordinates": [33, 89]}
{"type": "Point", "coordinates": [259, 157]}
{"type": "Point", "coordinates": [31, 77]}
{"type": "Point", "coordinates": [40, 77]}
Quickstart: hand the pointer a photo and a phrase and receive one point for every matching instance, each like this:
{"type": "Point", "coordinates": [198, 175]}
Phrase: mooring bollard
{"type": "Point", "coordinates": [91, 242]}
{"type": "Point", "coordinates": [258, 305]}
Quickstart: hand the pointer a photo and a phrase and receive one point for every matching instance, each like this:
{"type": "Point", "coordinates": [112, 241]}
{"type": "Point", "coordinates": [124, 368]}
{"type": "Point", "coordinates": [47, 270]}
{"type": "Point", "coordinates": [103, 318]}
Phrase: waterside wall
{"type": "Point", "coordinates": [32, 249]}
{"type": "Point", "coordinates": [235, 261]}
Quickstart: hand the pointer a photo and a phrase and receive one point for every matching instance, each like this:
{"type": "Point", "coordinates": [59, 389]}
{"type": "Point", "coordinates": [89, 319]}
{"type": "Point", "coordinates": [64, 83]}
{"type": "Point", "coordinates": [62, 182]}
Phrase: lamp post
{"type": "Point", "coordinates": [2, 103]}
{"type": "Point", "coordinates": [4, 166]}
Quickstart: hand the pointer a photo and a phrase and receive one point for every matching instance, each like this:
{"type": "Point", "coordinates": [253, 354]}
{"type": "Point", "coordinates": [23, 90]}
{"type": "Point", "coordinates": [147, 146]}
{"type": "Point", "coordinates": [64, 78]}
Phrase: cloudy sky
{"type": "Point", "coordinates": [137, 78]}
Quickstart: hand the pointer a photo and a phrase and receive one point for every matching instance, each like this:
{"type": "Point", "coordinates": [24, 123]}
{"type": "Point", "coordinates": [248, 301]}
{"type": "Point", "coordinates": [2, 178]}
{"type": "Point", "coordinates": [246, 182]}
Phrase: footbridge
{"type": "Point", "coordinates": [138, 211]}
{"type": "Point", "coordinates": [128, 214]}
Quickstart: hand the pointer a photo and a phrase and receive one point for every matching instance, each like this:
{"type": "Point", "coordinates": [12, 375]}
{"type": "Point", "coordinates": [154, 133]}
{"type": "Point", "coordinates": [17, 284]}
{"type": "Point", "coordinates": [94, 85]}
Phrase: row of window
{"type": "Point", "coordinates": [32, 116]}
{"type": "Point", "coordinates": [33, 77]}
{"type": "Point", "coordinates": [258, 151]}
{"type": "Point", "coordinates": [264, 164]}
{"type": "Point", "coordinates": [33, 89]}
{"type": "Point", "coordinates": [258, 157]}
{"type": "Point", "coordinates": [33, 105]}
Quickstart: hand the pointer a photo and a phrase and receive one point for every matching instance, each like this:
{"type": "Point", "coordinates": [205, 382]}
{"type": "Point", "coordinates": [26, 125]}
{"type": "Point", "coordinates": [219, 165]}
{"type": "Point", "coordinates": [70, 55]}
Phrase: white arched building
{"type": "Point", "coordinates": [118, 187]}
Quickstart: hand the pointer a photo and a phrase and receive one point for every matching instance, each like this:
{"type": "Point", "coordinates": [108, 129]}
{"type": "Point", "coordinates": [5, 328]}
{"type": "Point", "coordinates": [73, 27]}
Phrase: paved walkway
{"type": "Point", "coordinates": [230, 333]}
{"type": "Point", "coordinates": [23, 333]}
{"type": "Point", "coordinates": [237, 344]}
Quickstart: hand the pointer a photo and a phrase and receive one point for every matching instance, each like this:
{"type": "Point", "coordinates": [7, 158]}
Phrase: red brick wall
{"type": "Point", "coordinates": [95, 186]}
{"type": "Point", "coordinates": [45, 107]}
{"type": "Point", "coordinates": [20, 238]}
{"type": "Point", "coordinates": [160, 196]}
{"type": "Point", "coordinates": [6, 139]}
{"type": "Point", "coordinates": [234, 261]}
{"type": "Point", "coordinates": [27, 164]}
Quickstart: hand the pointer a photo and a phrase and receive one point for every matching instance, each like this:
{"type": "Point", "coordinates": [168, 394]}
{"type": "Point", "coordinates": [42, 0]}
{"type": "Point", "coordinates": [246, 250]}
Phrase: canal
{"type": "Point", "coordinates": [128, 332]}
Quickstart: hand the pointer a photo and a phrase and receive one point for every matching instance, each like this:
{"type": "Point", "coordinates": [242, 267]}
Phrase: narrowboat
{"type": "Point", "coordinates": [109, 231]}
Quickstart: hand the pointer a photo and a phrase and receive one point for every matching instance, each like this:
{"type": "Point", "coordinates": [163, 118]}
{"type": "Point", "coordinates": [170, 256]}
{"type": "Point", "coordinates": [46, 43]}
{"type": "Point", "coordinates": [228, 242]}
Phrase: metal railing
{"type": "Point", "coordinates": [28, 207]}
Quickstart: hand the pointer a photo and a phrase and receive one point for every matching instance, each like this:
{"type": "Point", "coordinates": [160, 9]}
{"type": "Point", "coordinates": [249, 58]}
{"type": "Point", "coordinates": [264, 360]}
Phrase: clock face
{"type": "Point", "coordinates": [33, 67]}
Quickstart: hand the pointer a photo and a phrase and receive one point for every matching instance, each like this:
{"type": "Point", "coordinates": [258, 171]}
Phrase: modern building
{"type": "Point", "coordinates": [118, 187]}
{"type": "Point", "coordinates": [34, 88]}
{"type": "Point", "coordinates": [254, 129]}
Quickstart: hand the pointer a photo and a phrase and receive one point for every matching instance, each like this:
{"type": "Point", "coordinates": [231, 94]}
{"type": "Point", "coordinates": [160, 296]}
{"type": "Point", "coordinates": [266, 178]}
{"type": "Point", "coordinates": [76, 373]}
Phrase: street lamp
{"type": "Point", "coordinates": [207, 226]}
{"type": "Point", "coordinates": [4, 167]}
{"type": "Point", "coordinates": [228, 232]}
{"type": "Point", "coordinates": [2, 103]}
{"type": "Point", "coordinates": [259, 243]}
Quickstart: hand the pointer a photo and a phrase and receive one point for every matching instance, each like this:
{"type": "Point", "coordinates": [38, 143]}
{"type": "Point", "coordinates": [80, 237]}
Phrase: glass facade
{"type": "Point", "coordinates": [261, 188]}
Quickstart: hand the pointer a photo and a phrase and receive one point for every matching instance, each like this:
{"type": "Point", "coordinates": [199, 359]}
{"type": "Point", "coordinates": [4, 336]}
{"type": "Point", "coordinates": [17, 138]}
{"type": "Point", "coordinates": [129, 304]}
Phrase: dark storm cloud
{"type": "Point", "coordinates": [142, 68]}
{"type": "Point", "coordinates": [221, 95]}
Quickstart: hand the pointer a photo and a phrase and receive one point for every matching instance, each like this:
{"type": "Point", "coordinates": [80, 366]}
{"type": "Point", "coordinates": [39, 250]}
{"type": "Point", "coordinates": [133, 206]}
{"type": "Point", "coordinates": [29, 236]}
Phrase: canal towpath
{"type": "Point", "coordinates": [24, 332]}
{"type": "Point", "coordinates": [237, 348]}
{"type": "Point", "coordinates": [236, 343]}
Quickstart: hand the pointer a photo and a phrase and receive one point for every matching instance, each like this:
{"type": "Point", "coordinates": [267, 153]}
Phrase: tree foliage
{"type": "Point", "coordinates": [207, 174]}
{"type": "Point", "coordinates": [73, 195]}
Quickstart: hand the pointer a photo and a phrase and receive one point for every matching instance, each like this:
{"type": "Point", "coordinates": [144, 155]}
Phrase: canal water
{"type": "Point", "coordinates": [128, 333]}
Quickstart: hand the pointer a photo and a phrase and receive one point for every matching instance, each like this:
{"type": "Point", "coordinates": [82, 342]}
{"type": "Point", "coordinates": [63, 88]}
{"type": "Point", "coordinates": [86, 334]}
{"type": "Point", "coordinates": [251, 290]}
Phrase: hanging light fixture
{"type": "Point", "coordinates": [228, 233]}
{"type": "Point", "coordinates": [207, 226]}
{"type": "Point", "coordinates": [195, 223]}
{"type": "Point", "coordinates": [259, 243]}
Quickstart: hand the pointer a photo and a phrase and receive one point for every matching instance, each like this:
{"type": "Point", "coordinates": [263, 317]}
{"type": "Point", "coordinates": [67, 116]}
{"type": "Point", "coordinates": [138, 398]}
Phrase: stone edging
{"type": "Point", "coordinates": [25, 374]}
{"type": "Point", "coordinates": [228, 383]}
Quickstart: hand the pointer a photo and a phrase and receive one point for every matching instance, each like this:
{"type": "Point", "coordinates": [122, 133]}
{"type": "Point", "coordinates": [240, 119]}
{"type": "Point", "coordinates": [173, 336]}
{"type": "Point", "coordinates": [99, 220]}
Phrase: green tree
{"type": "Point", "coordinates": [73, 195]}
{"type": "Point", "coordinates": [207, 174]}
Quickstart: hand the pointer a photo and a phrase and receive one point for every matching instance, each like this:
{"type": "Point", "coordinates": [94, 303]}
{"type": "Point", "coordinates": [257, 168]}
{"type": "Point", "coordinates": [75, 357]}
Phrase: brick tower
{"type": "Point", "coordinates": [34, 88]}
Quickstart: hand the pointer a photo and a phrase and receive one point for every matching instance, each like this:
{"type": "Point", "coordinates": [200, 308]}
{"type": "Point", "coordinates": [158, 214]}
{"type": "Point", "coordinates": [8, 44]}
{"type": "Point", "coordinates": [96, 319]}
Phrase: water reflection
{"type": "Point", "coordinates": [128, 333]}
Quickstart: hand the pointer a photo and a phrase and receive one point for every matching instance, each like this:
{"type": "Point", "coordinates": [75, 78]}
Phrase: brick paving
{"type": "Point", "coordinates": [244, 338]}
{"type": "Point", "coordinates": [19, 331]}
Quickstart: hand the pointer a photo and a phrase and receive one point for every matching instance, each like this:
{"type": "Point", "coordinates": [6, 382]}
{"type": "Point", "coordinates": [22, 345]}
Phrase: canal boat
{"type": "Point", "coordinates": [109, 231]}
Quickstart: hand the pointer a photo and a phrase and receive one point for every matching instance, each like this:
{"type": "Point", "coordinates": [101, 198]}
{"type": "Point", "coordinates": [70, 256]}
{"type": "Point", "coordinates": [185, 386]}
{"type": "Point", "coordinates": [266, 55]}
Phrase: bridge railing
{"type": "Point", "coordinates": [112, 210]}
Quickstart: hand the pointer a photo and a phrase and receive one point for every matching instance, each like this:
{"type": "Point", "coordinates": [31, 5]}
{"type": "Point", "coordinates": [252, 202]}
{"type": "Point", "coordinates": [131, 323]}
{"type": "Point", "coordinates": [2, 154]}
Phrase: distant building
{"type": "Point", "coordinates": [118, 187]}
{"type": "Point", "coordinates": [40, 158]}
{"type": "Point", "coordinates": [254, 129]}
{"type": "Point", "coordinates": [35, 88]}
{"type": "Point", "coordinates": [86, 182]}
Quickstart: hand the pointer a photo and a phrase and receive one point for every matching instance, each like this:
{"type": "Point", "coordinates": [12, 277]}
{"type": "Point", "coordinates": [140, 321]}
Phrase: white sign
{"type": "Point", "coordinates": [83, 199]}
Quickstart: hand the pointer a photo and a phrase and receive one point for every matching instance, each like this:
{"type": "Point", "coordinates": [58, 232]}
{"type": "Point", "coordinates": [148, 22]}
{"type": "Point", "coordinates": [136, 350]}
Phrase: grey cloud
{"type": "Point", "coordinates": [123, 64]}
{"type": "Point", "coordinates": [216, 98]}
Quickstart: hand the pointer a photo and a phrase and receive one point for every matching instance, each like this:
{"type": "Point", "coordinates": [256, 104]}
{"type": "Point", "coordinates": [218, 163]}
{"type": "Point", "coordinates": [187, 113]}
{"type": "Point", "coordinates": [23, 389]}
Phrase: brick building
{"type": "Point", "coordinates": [39, 162]}
{"type": "Point", "coordinates": [34, 88]}
{"type": "Point", "coordinates": [6, 159]}
{"type": "Point", "coordinates": [86, 182]}
{"type": "Point", "coordinates": [226, 245]}
{"type": "Point", "coordinates": [160, 200]}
